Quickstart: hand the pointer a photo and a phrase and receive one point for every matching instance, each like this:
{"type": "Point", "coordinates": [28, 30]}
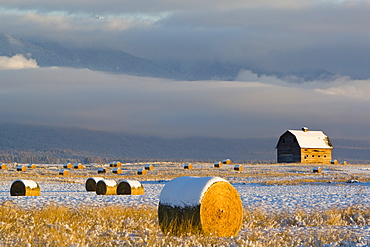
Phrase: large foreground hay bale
{"type": "Point", "coordinates": [90, 184]}
{"type": "Point", "coordinates": [188, 166]}
{"type": "Point", "coordinates": [106, 187]}
{"type": "Point", "coordinates": [24, 188]}
{"type": "Point", "coordinates": [206, 205]}
{"type": "Point", "coordinates": [130, 187]}
{"type": "Point", "coordinates": [3, 166]}
{"type": "Point", "coordinates": [68, 165]}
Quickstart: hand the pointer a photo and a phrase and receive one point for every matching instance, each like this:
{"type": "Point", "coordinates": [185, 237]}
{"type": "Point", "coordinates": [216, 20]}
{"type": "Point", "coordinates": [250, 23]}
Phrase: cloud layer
{"type": "Point", "coordinates": [265, 36]}
{"type": "Point", "coordinates": [17, 62]}
{"type": "Point", "coordinates": [256, 107]}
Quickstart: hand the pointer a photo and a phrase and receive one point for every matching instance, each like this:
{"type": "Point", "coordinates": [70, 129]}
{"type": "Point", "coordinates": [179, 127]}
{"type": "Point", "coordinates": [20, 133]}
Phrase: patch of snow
{"type": "Point", "coordinates": [110, 183]}
{"type": "Point", "coordinates": [133, 183]}
{"type": "Point", "coordinates": [28, 183]}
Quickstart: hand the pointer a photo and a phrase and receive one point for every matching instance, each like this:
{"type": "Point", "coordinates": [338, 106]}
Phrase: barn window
{"type": "Point", "coordinates": [324, 156]}
{"type": "Point", "coordinates": [313, 155]}
{"type": "Point", "coordinates": [318, 156]}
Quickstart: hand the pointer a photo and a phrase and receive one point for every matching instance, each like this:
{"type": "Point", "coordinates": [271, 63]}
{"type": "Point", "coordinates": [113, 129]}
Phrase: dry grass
{"type": "Point", "coordinates": [121, 226]}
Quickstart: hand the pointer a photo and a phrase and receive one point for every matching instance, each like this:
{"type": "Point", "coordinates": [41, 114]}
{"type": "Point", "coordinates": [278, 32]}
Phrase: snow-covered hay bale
{"type": "Point", "coordinates": [68, 165]}
{"type": "Point", "coordinates": [149, 167]}
{"type": "Point", "coordinates": [317, 169]}
{"type": "Point", "coordinates": [31, 166]}
{"type": "Point", "coordinates": [24, 188]}
{"type": "Point", "coordinates": [106, 187]}
{"type": "Point", "coordinates": [3, 166]}
{"type": "Point", "coordinates": [141, 172]}
{"type": "Point", "coordinates": [117, 170]}
{"type": "Point", "coordinates": [238, 168]}
{"type": "Point", "coordinates": [217, 164]}
{"type": "Point", "coordinates": [205, 205]}
{"type": "Point", "coordinates": [227, 162]}
{"type": "Point", "coordinates": [130, 187]}
{"type": "Point", "coordinates": [115, 164]}
{"type": "Point", "coordinates": [334, 162]}
{"type": "Point", "coordinates": [90, 184]}
{"type": "Point", "coordinates": [21, 168]}
{"type": "Point", "coordinates": [64, 172]}
{"type": "Point", "coordinates": [344, 163]}
{"type": "Point", "coordinates": [77, 166]}
{"type": "Point", "coordinates": [188, 166]}
{"type": "Point", "coordinates": [102, 170]}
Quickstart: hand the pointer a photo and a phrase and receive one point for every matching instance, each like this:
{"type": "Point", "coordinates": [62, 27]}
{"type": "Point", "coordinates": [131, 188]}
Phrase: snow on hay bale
{"type": "Point", "coordinates": [188, 166]}
{"type": "Point", "coordinates": [24, 188]}
{"type": "Point", "coordinates": [238, 168]}
{"type": "Point", "coordinates": [115, 164]}
{"type": "Point", "coordinates": [31, 166]}
{"type": "Point", "coordinates": [64, 172]}
{"type": "Point", "coordinates": [21, 168]}
{"type": "Point", "coordinates": [334, 162]}
{"type": "Point", "coordinates": [130, 187]}
{"type": "Point", "coordinates": [3, 166]}
{"type": "Point", "coordinates": [117, 170]}
{"type": "Point", "coordinates": [141, 172]}
{"type": "Point", "coordinates": [227, 162]}
{"type": "Point", "coordinates": [206, 205]}
{"type": "Point", "coordinates": [317, 169]}
{"type": "Point", "coordinates": [90, 184]}
{"type": "Point", "coordinates": [106, 187]}
{"type": "Point", "coordinates": [77, 166]}
{"type": "Point", "coordinates": [102, 170]}
{"type": "Point", "coordinates": [68, 165]}
{"type": "Point", "coordinates": [217, 164]}
{"type": "Point", "coordinates": [149, 167]}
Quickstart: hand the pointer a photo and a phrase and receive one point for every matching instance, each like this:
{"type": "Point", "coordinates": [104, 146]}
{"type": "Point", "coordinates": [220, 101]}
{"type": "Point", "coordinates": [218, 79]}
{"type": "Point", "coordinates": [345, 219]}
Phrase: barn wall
{"type": "Point", "coordinates": [315, 155]}
{"type": "Point", "coordinates": [288, 150]}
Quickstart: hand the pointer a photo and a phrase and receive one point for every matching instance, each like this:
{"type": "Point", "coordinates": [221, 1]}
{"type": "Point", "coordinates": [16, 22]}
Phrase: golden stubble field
{"type": "Point", "coordinates": [120, 225]}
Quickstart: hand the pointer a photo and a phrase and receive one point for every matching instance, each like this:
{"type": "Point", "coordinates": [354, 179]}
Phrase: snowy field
{"type": "Point", "coordinates": [322, 194]}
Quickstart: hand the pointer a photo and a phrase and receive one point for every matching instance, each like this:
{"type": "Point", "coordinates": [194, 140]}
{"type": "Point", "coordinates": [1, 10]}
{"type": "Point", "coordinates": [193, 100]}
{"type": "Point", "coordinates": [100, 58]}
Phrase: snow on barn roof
{"type": "Point", "coordinates": [311, 139]}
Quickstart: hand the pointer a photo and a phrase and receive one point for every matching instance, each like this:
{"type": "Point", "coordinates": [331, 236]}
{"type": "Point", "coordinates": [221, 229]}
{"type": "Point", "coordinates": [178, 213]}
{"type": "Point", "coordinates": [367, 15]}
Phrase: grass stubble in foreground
{"type": "Point", "coordinates": [54, 225]}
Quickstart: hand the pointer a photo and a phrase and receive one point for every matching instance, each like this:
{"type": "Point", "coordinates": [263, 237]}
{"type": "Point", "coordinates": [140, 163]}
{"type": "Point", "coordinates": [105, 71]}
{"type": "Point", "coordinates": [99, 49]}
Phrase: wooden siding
{"type": "Point", "coordinates": [318, 156]}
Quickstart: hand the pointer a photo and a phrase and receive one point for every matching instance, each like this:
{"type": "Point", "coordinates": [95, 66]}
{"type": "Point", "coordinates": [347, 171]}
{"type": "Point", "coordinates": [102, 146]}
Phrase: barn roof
{"type": "Point", "coordinates": [311, 139]}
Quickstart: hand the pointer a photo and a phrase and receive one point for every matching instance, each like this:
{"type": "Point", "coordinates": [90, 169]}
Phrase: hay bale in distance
{"type": "Point", "coordinates": [21, 168]}
{"type": "Point", "coordinates": [3, 166]}
{"type": "Point", "coordinates": [130, 187]}
{"type": "Point", "coordinates": [149, 167]}
{"type": "Point", "coordinates": [217, 164]}
{"type": "Point", "coordinates": [188, 166]}
{"type": "Point", "coordinates": [115, 164]}
{"type": "Point", "coordinates": [334, 162]}
{"type": "Point", "coordinates": [106, 187]}
{"type": "Point", "coordinates": [78, 166]}
{"type": "Point", "coordinates": [317, 169]}
{"type": "Point", "coordinates": [206, 205]}
{"type": "Point", "coordinates": [141, 172]}
{"type": "Point", "coordinates": [117, 170]}
{"type": "Point", "coordinates": [344, 163]}
{"type": "Point", "coordinates": [68, 165]}
{"type": "Point", "coordinates": [64, 172]}
{"type": "Point", "coordinates": [90, 184]}
{"type": "Point", "coordinates": [238, 168]}
{"type": "Point", "coordinates": [31, 166]}
{"type": "Point", "coordinates": [227, 162]}
{"type": "Point", "coordinates": [102, 170]}
{"type": "Point", "coordinates": [24, 188]}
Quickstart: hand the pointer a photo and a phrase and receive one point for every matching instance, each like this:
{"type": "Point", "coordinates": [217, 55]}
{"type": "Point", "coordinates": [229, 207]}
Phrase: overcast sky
{"type": "Point", "coordinates": [281, 36]}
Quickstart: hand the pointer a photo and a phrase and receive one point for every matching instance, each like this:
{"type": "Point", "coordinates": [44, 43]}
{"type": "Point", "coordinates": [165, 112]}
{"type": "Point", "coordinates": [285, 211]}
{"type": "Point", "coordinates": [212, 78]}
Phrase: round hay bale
{"type": "Point", "coordinates": [238, 168]}
{"type": "Point", "coordinates": [217, 164]}
{"type": "Point", "coordinates": [317, 169]}
{"type": "Point", "coordinates": [115, 164]}
{"type": "Point", "coordinates": [344, 163]}
{"type": "Point", "coordinates": [188, 166]}
{"type": "Point", "coordinates": [141, 172]}
{"type": "Point", "coordinates": [334, 162]}
{"type": "Point", "coordinates": [130, 187]}
{"type": "Point", "coordinates": [78, 166]}
{"type": "Point", "coordinates": [31, 166]}
{"type": "Point", "coordinates": [149, 167]}
{"type": "Point", "coordinates": [117, 170]}
{"type": "Point", "coordinates": [106, 187]}
{"type": "Point", "coordinates": [227, 162]}
{"type": "Point", "coordinates": [21, 168]}
{"type": "Point", "coordinates": [68, 165]}
{"type": "Point", "coordinates": [3, 166]}
{"type": "Point", "coordinates": [102, 170]}
{"type": "Point", "coordinates": [90, 184]}
{"type": "Point", "coordinates": [24, 188]}
{"type": "Point", "coordinates": [205, 205]}
{"type": "Point", "coordinates": [64, 172]}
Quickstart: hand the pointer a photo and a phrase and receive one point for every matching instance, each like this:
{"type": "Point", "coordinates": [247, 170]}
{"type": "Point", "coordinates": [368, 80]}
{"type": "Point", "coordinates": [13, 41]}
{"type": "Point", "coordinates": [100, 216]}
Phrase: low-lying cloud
{"type": "Point", "coordinates": [254, 106]}
{"type": "Point", "coordinates": [17, 62]}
